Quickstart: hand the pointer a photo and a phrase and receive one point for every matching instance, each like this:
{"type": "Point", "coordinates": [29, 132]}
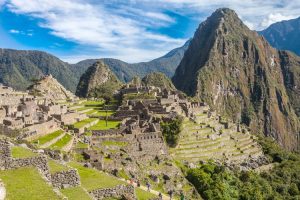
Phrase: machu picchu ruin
{"type": "Point", "coordinates": [216, 119]}
{"type": "Point", "coordinates": [122, 137]}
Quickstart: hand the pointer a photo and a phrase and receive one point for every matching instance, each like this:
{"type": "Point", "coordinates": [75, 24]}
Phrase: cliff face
{"type": "Point", "coordinates": [241, 76]}
{"type": "Point", "coordinates": [97, 81]}
{"type": "Point", "coordinates": [159, 80]}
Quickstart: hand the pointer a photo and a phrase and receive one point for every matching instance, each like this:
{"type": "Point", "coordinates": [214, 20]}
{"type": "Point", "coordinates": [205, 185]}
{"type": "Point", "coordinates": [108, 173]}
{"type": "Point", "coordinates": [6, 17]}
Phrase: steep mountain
{"type": "Point", "coordinates": [18, 68]}
{"type": "Point", "coordinates": [98, 81]}
{"type": "Point", "coordinates": [159, 80]}
{"type": "Point", "coordinates": [240, 75]}
{"type": "Point", "coordinates": [125, 71]}
{"type": "Point", "coordinates": [284, 35]}
{"type": "Point", "coordinates": [49, 87]}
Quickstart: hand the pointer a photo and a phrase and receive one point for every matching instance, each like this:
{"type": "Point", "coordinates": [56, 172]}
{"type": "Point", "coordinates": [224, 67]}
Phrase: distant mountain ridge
{"type": "Point", "coordinates": [284, 35]}
{"type": "Point", "coordinates": [125, 72]}
{"type": "Point", "coordinates": [19, 67]}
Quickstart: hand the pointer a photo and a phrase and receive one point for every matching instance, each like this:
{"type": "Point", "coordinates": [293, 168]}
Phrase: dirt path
{"type": "Point", "coordinates": [2, 191]}
{"type": "Point", "coordinates": [164, 196]}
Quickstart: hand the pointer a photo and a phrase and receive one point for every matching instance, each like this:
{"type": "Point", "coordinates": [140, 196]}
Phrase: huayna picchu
{"type": "Point", "coordinates": [241, 76]}
{"type": "Point", "coordinates": [225, 126]}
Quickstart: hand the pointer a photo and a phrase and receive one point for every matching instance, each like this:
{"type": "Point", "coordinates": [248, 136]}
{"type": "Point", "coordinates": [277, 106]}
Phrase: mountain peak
{"type": "Point", "coordinates": [98, 81]}
{"type": "Point", "coordinates": [239, 74]}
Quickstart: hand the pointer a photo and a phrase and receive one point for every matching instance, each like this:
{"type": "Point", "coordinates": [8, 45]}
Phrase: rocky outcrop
{"type": "Point", "coordinates": [158, 80]}
{"type": "Point", "coordinates": [241, 76]}
{"type": "Point", "coordinates": [50, 88]}
{"type": "Point", "coordinates": [97, 81]}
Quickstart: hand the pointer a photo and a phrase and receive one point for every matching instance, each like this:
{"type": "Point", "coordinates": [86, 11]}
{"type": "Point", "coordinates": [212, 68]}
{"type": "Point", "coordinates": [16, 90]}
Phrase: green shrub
{"type": "Point", "coordinates": [171, 131]}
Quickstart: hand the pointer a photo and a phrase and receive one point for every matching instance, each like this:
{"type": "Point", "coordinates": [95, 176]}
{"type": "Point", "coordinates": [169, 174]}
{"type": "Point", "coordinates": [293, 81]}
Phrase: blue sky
{"type": "Point", "coordinates": [130, 30]}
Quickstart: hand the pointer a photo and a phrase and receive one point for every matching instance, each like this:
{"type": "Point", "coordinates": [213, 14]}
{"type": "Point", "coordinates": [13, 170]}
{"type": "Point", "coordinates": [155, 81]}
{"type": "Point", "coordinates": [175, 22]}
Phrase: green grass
{"type": "Point", "coordinates": [101, 125]}
{"type": "Point", "coordinates": [82, 109]}
{"type": "Point", "coordinates": [44, 139]}
{"type": "Point", "coordinates": [93, 179]}
{"type": "Point", "coordinates": [102, 113]}
{"type": "Point", "coordinates": [62, 142]}
{"type": "Point", "coordinates": [114, 143]}
{"type": "Point", "coordinates": [75, 193]}
{"type": "Point", "coordinates": [26, 183]}
{"type": "Point", "coordinates": [81, 145]}
{"type": "Point", "coordinates": [143, 195]}
{"type": "Point", "coordinates": [123, 174]}
{"type": "Point", "coordinates": [93, 103]}
{"type": "Point", "coordinates": [83, 122]}
{"type": "Point", "coordinates": [56, 167]}
{"type": "Point", "coordinates": [21, 152]}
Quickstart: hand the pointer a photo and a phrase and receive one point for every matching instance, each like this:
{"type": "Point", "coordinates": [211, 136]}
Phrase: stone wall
{"type": "Point", "coordinates": [65, 179]}
{"type": "Point", "coordinates": [119, 191]}
{"type": "Point", "coordinates": [86, 126]}
{"type": "Point", "coordinates": [38, 130]}
{"type": "Point", "coordinates": [5, 152]}
{"type": "Point", "coordinates": [40, 162]}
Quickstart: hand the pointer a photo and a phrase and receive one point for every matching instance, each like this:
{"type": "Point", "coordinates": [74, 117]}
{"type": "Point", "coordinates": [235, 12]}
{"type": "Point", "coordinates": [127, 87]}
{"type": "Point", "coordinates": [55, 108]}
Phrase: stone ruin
{"type": "Point", "coordinates": [63, 179]}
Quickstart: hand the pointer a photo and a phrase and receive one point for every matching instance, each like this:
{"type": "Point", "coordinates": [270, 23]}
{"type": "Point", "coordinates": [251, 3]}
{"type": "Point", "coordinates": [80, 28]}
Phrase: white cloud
{"type": "Point", "coordinates": [123, 37]}
{"type": "Point", "coordinates": [258, 14]}
{"type": "Point", "coordinates": [14, 31]}
{"type": "Point", "coordinates": [277, 17]}
{"type": "Point", "coordinates": [122, 29]}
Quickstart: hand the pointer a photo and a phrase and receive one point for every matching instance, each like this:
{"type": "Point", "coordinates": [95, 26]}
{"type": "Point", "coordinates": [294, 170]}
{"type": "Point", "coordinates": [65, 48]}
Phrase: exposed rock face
{"type": "Point", "coordinates": [159, 80]}
{"type": "Point", "coordinates": [240, 75]}
{"type": "Point", "coordinates": [97, 81]}
{"type": "Point", "coordinates": [284, 35]}
{"type": "Point", "coordinates": [49, 87]}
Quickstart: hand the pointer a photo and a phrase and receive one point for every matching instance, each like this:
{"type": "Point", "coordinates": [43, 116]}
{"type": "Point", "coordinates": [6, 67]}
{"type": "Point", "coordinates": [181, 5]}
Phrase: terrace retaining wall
{"type": "Point", "coordinates": [65, 179]}
{"type": "Point", "coordinates": [119, 191]}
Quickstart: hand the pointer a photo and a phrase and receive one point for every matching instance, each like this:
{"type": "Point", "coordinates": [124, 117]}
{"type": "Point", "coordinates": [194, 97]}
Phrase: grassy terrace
{"type": "Point", "coordinates": [101, 113]}
{"type": "Point", "coordinates": [93, 179]}
{"type": "Point", "coordinates": [143, 195]}
{"type": "Point", "coordinates": [114, 143]}
{"type": "Point", "coordinates": [62, 142]}
{"type": "Point", "coordinates": [47, 138]}
{"type": "Point", "coordinates": [83, 122]}
{"type": "Point", "coordinates": [81, 145]}
{"type": "Point", "coordinates": [101, 125]}
{"type": "Point", "coordinates": [56, 167]}
{"type": "Point", "coordinates": [75, 193]}
{"type": "Point", "coordinates": [21, 152]}
{"type": "Point", "coordinates": [26, 183]}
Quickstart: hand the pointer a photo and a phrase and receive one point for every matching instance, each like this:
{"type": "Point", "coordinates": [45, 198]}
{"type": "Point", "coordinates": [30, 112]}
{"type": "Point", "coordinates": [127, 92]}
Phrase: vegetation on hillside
{"type": "Point", "coordinates": [99, 82]}
{"type": "Point", "coordinates": [282, 182]}
{"type": "Point", "coordinates": [171, 131]}
{"type": "Point", "coordinates": [159, 80]}
{"type": "Point", "coordinates": [19, 68]}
